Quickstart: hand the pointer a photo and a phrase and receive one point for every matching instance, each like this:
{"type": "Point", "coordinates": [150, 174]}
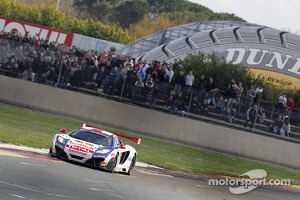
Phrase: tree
{"type": "Point", "coordinates": [102, 10]}
{"type": "Point", "coordinates": [129, 12]}
{"type": "Point", "coordinates": [51, 17]}
{"type": "Point", "coordinates": [212, 66]}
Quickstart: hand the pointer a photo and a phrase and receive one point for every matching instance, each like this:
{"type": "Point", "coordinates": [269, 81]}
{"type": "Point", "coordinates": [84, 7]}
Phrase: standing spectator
{"type": "Point", "coordinates": [251, 93]}
{"type": "Point", "coordinates": [169, 73]}
{"type": "Point", "coordinates": [123, 70]}
{"type": "Point", "coordinates": [67, 74]}
{"type": "Point", "coordinates": [150, 69]}
{"type": "Point", "coordinates": [161, 75]}
{"type": "Point", "coordinates": [251, 116]}
{"type": "Point", "coordinates": [51, 76]}
{"type": "Point", "coordinates": [144, 65]}
{"type": "Point", "coordinates": [77, 77]}
{"type": "Point", "coordinates": [201, 87]}
{"type": "Point", "coordinates": [100, 77]}
{"type": "Point", "coordinates": [281, 102]}
{"type": "Point", "coordinates": [15, 71]}
{"type": "Point", "coordinates": [240, 90]}
{"type": "Point", "coordinates": [211, 91]}
{"type": "Point", "coordinates": [149, 84]}
{"type": "Point", "coordinates": [179, 82]}
{"type": "Point", "coordinates": [289, 108]}
{"type": "Point", "coordinates": [157, 66]}
{"type": "Point", "coordinates": [231, 93]}
{"type": "Point", "coordinates": [175, 65]}
{"type": "Point", "coordinates": [138, 89]}
{"type": "Point", "coordinates": [154, 94]}
{"type": "Point", "coordinates": [189, 81]}
{"type": "Point", "coordinates": [167, 79]}
{"type": "Point", "coordinates": [142, 73]}
{"type": "Point", "coordinates": [130, 81]}
{"type": "Point", "coordinates": [91, 75]}
{"type": "Point", "coordinates": [111, 81]}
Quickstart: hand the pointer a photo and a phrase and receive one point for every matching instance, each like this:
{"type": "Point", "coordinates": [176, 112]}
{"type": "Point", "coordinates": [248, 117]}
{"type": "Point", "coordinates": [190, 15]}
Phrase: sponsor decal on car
{"type": "Point", "coordinates": [81, 146]}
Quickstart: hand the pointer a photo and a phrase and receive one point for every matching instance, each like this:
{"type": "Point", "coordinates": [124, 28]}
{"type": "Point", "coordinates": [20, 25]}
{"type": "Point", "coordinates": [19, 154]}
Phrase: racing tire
{"type": "Point", "coordinates": [112, 164]}
{"type": "Point", "coordinates": [51, 152]}
{"type": "Point", "coordinates": [132, 165]}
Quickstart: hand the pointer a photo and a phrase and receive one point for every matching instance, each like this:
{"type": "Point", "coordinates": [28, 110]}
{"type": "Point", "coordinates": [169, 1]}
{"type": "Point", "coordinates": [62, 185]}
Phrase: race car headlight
{"type": "Point", "coordinates": [61, 140]}
{"type": "Point", "coordinates": [103, 151]}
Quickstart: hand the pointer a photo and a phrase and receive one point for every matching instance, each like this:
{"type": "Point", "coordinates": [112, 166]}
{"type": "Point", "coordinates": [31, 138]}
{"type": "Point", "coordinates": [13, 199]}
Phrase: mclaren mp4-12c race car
{"type": "Point", "coordinates": [95, 147]}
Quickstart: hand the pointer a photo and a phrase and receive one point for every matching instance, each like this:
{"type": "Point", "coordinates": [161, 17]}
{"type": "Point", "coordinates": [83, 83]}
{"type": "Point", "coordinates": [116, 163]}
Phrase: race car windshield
{"type": "Point", "coordinates": [92, 137]}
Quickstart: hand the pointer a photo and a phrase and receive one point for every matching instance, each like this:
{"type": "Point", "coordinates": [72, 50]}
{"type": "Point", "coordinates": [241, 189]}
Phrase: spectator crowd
{"type": "Point", "coordinates": [138, 80]}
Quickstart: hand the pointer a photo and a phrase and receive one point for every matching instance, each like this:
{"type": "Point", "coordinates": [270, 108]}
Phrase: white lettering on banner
{"type": "Point", "coordinates": [44, 33]}
{"type": "Point", "coordinates": [296, 68]}
{"type": "Point", "coordinates": [32, 30]}
{"type": "Point", "coordinates": [15, 26]}
{"type": "Point", "coordinates": [54, 35]}
{"type": "Point", "coordinates": [276, 60]}
{"type": "Point", "coordinates": [62, 38]}
{"type": "Point", "coordinates": [27, 29]}
{"type": "Point", "coordinates": [231, 52]}
{"type": "Point", "coordinates": [277, 57]}
{"type": "Point", "coordinates": [252, 55]}
{"type": "Point", "coordinates": [2, 23]}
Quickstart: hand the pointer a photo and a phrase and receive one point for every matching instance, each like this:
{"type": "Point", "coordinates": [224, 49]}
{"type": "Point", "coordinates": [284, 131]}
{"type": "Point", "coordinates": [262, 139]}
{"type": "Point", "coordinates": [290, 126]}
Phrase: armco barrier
{"type": "Point", "coordinates": [99, 111]}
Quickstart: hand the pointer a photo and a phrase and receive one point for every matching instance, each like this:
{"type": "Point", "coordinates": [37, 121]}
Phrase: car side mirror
{"type": "Point", "coordinates": [63, 130]}
{"type": "Point", "coordinates": [122, 146]}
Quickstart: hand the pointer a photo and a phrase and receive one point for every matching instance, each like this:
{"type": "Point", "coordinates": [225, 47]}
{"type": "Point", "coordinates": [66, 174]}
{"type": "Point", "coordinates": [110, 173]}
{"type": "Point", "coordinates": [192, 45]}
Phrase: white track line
{"type": "Point", "coordinates": [62, 196]}
{"type": "Point", "coordinates": [24, 163]}
{"type": "Point", "coordinates": [18, 186]}
{"type": "Point", "coordinates": [97, 189]}
{"type": "Point", "coordinates": [21, 197]}
{"type": "Point", "coordinates": [96, 181]}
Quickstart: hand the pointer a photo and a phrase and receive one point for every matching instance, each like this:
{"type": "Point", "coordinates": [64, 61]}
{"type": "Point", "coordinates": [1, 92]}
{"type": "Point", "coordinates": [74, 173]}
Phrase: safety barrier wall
{"type": "Point", "coordinates": [103, 112]}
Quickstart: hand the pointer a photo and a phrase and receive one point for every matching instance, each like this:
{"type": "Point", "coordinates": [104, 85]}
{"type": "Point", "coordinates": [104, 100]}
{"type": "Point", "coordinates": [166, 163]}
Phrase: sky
{"type": "Point", "coordinates": [279, 14]}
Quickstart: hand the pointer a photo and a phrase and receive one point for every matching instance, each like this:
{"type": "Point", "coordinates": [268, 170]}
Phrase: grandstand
{"type": "Point", "coordinates": [175, 43]}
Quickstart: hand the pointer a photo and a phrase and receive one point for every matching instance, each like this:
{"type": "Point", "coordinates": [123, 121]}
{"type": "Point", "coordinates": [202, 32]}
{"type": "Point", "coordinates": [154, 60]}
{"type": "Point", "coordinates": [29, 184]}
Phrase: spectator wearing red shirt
{"type": "Point", "coordinates": [289, 108]}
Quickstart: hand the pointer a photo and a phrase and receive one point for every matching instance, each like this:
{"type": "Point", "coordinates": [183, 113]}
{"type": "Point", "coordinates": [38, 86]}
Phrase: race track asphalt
{"type": "Point", "coordinates": [35, 176]}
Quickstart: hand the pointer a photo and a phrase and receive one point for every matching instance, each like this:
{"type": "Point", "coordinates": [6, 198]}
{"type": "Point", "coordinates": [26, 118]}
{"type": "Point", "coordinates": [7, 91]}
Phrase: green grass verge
{"type": "Point", "coordinates": [34, 129]}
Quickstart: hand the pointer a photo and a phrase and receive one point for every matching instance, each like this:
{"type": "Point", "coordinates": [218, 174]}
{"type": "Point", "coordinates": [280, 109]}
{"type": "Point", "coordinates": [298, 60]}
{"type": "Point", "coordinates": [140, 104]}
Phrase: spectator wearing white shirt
{"type": "Point", "coordinates": [189, 81]}
{"type": "Point", "coordinates": [282, 100]}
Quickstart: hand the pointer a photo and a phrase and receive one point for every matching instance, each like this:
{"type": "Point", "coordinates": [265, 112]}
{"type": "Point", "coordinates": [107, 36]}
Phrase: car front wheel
{"type": "Point", "coordinates": [112, 164]}
{"type": "Point", "coordinates": [132, 164]}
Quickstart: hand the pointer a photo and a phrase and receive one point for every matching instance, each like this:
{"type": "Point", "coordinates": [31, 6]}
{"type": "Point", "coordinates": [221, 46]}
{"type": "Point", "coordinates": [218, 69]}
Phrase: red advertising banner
{"type": "Point", "coordinates": [25, 28]}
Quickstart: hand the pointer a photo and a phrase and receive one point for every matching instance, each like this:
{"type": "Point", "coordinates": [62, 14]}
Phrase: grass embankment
{"type": "Point", "coordinates": [34, 129]}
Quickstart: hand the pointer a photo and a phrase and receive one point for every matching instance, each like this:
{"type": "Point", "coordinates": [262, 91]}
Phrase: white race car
{"type": "Point", "coordinates": [95, 147]}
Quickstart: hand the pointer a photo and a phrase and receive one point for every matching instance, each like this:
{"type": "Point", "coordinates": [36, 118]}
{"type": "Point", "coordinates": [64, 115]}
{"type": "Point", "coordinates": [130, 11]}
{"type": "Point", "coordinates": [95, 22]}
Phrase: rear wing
{"type": "Point", "coordinates": [136, 140]}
